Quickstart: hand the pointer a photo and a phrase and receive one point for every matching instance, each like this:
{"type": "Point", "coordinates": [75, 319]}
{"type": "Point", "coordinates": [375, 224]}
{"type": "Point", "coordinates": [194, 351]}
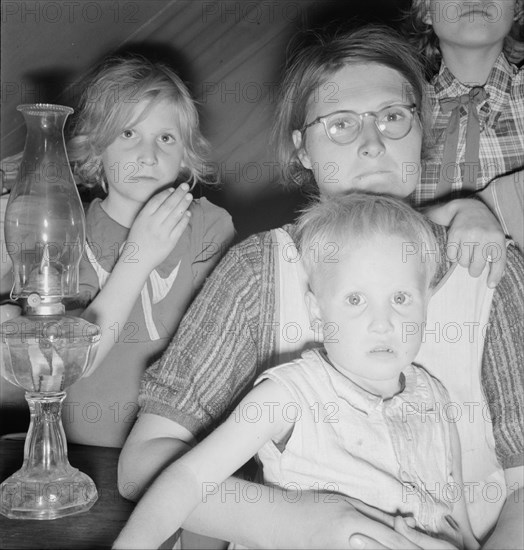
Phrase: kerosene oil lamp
{"type": "Point", "coordinates": [44, 351]}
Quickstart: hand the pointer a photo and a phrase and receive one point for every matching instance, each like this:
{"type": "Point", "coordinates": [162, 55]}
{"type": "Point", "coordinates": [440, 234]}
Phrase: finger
{"type": "Point", "coordinates": [410, 522]}
{"type": "Point", "coordinates": [180, 227]}
{"type": "Point", "coordinates": [383, 537]}
{"type": "Point", "coordinates": [170, 211]}
{"type": "Point", "coordinates": [175, 214]}
{"type": "Point", "coordinates": [430, 543]}
{"type": "Point", "coordinates": [177, 201]}
{"type": "Point", "coordinates": [477, 261]}
{"type": "Point", "coordinates": [173, 209]}
{"type": "Point", "coordinates": [452, 250]}
{"type": "Point", "coordinates": [402, 524]}
{"type": "Point", "coordinates": [372, 512]}
{"type": "Point", "coordinates": [406, 527]}
{"type": "Point", "coordinates": [498, 257]}
{"type": "Point", "coordinates": [181, 193]}
{"type": "Point", "coordinates": [361, 541]}
{"type": "Point", "coordinates": [157, 200]}
{"type": "Point", "coordinates": [395, 542]}
{"type": "Point", "coordinates": [162, 203]}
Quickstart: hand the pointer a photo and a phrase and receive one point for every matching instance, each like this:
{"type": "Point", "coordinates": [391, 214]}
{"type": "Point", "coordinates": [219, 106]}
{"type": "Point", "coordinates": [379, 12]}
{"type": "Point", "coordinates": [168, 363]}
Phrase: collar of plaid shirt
{"type": "Point", "coordinates": [482, 104]}
{"type": "Point", "coordinates": [497, 87]}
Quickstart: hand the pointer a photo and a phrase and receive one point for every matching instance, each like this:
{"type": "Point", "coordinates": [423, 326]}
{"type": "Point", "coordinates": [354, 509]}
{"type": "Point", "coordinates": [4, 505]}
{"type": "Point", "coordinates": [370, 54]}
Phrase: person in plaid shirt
{"type": "Point", "coordinates": [476, 98]}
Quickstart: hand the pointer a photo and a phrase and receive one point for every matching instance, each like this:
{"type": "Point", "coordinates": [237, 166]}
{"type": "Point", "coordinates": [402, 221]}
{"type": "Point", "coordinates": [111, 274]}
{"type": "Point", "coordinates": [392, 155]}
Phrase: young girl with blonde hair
{"type": "Point", "coordinates": [150, 245]}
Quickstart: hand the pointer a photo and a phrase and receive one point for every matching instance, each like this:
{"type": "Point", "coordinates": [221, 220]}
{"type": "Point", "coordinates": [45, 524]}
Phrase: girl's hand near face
{"type": "Point", "coordinates": [153, 235]}
{"type": "Point", "coordinates": [159, 225]}
{"type": "Point", "coordinates": [475, 237]}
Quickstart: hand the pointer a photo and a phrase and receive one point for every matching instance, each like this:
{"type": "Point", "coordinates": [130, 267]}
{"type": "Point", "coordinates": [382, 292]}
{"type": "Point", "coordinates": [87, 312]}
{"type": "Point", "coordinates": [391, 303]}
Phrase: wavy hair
{"type": "Point", "coordinates": [111, 93]}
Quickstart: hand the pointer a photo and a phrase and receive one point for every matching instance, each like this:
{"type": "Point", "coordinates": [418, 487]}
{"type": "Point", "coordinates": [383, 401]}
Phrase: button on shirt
{"type": "Point", "coordinates": [501, 118]}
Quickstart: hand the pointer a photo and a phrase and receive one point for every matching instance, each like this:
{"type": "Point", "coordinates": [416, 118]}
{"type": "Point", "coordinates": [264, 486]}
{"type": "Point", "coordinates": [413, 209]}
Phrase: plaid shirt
{"type": "Point", "coordinates": [501, 118]}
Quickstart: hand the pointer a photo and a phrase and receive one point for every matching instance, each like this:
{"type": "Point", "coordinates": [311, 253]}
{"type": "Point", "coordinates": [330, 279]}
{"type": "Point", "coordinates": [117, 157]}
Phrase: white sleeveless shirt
{"type": "Point", "coordinates": [451, 351]}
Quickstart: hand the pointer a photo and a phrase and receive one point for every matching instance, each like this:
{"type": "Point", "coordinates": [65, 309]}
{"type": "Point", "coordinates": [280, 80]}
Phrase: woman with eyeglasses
{"type": "Point", "coordinates": [351, 117]}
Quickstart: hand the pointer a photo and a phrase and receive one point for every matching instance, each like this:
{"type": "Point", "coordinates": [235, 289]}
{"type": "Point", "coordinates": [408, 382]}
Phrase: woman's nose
{"type": "Point", "coordinates": [371, 140]}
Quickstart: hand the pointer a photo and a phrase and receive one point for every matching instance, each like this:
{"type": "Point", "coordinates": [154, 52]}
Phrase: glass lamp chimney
{"type": "Point", "coordinates": [44, 220]}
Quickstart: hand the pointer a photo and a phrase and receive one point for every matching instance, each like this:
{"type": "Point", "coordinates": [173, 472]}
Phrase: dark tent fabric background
{"type": "Point", "coordinates": [230, 53]}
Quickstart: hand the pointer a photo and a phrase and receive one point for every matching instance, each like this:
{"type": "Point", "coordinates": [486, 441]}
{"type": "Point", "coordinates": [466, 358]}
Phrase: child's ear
{"type": "Point", "coordinates": [313, 308]}
{"type": "Point", "coordinates": [301, 152]}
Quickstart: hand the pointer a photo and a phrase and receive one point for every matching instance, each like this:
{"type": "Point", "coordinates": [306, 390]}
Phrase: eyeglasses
{"type": "Point", "coordinates": [343, 127]}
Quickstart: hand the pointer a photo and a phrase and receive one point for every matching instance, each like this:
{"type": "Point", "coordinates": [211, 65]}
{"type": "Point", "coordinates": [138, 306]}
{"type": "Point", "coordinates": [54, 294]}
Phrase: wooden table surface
{"type": "Point", "coordinates": [97, 528]}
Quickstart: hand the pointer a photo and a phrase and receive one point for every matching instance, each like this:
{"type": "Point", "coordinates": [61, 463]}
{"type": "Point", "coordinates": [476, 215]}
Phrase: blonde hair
{"type": "Point", "coordinates": [426, 42]}
{"type": "Point", "coordinates": [331, 224]}
{"type": "Point", "coordinates": [111, 94]}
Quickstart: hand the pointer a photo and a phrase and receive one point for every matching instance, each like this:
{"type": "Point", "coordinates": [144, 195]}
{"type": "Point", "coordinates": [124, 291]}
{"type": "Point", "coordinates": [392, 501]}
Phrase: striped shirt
{"type": "Point", "coordinates": [501, 118]}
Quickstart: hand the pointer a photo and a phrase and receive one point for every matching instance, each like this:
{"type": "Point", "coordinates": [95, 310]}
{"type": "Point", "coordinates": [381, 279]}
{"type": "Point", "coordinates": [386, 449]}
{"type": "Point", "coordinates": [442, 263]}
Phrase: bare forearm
{"type": "Point", "coordinates": [269, 517]}
{"type": "Point", "coordinates": [141, 462]}
{"type": "Point", "coordinates": [229, 511]}
{"type": "Point", "coordinates": [112, 306]}
{"type": "Point", "coordinates": [265, 517]}
{"type": "Point", "coordinates": [225, 511]}
{"type": "Point", "coordinates": [162, 509]}
{"type": "Point", "coordinates": [245, 513]}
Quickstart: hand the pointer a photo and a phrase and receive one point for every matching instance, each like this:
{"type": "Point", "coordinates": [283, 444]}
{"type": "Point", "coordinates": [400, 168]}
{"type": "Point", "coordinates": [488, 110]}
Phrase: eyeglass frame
{"type": "Point", "coordinates": [412, 109]}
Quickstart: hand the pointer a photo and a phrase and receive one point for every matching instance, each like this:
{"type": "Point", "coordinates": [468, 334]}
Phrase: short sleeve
{"type": "Point", "coordinates": [211, 235]}
{"type": "Point", "coordinates": [220, 346]}
{"type": "Point", "coordinates": [503, 363]}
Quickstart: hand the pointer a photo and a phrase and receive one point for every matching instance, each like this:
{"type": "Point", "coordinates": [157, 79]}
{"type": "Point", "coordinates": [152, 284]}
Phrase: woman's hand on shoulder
{"type": "Point", "coordinates": [475, 237]}
{"type": "Point", "coordinates": [159, 225]}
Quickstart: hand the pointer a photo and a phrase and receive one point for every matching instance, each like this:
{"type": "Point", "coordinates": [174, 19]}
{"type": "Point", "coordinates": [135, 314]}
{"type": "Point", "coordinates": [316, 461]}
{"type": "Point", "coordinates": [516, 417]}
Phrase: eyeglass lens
{"type": "Point", "coordinates": [393, 122]}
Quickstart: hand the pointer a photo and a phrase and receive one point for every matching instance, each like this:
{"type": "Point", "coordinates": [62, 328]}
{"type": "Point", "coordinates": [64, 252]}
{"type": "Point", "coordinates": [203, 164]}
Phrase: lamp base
{"type": "Point", "coordinates": [46, 486]}
{"type": "Point", "coordinates": [24, 497]}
